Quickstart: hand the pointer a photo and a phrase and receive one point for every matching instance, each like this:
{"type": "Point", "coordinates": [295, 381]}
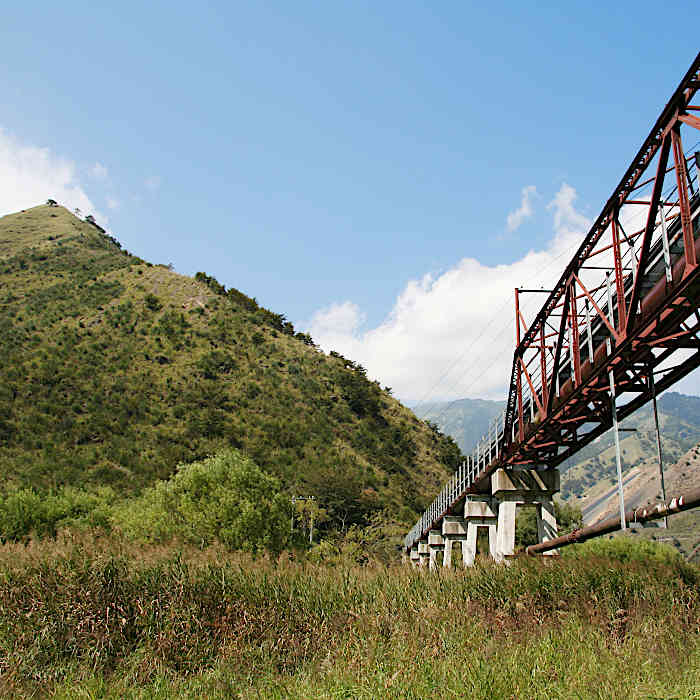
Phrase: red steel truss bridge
{"type": "Point", "coordinates": [620, 325]}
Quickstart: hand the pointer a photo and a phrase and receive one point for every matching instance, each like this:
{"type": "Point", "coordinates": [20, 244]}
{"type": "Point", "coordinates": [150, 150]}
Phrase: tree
{"type": "Point", "coordinates": [226, 497]}
{"type": "Point", "coordinates": [52, 202]}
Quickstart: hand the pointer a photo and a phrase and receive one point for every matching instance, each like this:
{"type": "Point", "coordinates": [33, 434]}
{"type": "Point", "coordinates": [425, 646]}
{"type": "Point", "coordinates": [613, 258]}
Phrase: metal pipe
{"type": "Point", "coordinates": [636, 515]}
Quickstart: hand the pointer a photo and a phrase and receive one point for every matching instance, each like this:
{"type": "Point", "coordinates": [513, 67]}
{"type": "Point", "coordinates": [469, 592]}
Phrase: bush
{"type": "Point", "coordinates": [569, 518]}
{"type": "Point", "coordinates": [626, 550]}
{"type": "Point", "coordinates": [27, 512]}
{"type": "Point", "coordinates": [152, 302]}
{"type": "Point", "coordinates": [226, 497]}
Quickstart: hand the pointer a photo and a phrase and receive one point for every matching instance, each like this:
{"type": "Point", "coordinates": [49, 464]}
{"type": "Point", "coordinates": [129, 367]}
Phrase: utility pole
{"type": "Point", "coordinates": [311, 515]}
{"type": "Point", "coordinates": [652, 386]}
{"type": "Point", "coordinates": [618, 456]}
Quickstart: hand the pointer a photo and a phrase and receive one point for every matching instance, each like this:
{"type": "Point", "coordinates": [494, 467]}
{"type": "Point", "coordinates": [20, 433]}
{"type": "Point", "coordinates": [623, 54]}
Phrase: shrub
{"type": "Point", "coordinates": [26, 511]}
{"type": "Point", "coordinates": [226, 497]}
{"type": "Point", "coordinates": [152, 302]}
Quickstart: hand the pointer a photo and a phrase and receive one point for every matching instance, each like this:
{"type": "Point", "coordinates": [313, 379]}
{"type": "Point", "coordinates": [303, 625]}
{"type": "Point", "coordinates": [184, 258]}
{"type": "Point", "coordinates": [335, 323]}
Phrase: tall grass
{"type": "Point", "coordinates": [81, 620]}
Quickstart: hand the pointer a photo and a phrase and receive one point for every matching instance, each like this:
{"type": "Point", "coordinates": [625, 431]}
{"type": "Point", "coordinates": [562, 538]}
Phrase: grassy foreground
{"type": "Point", "coordinates": [92, 618]}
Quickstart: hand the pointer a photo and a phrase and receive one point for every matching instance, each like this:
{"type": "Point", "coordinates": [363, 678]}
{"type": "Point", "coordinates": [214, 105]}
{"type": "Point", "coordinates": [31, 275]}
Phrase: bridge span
{"type": "Point", "coordinates": [620, 325]}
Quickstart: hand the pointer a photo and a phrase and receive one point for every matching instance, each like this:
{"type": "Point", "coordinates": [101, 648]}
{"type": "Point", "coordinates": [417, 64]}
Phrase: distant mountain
{"type": "Point", "coordinates": [113, 370]}
{"type": "Point", "coordinates": [591, 474]}
{"type": "Point", "coordinates": [466, 420]}
{"type": "Point", "coordinates": [590, 477]}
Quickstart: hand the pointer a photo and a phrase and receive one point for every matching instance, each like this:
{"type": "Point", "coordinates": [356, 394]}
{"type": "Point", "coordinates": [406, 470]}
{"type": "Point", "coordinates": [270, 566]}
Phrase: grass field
{"type": "Point", "coordinates": [94, 618]}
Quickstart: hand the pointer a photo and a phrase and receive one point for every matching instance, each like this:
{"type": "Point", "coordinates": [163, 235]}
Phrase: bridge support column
{"type": "Point", "coordinates": [478, 513]}
{"type": "Point", "coordinates": [511, 488]}
{"type": "Point", "coordinates": [435, 545]}
{"type": "Point", "coordinates": [546, 524]}
{"type": "Point", "coordinates": [414, 556]}
{"type": "Point", "coordinates": [505, 538]}
{"type": "Point", "coordinates": [423, 554]}
{"type": "Point", "coordinates": [454, 529]}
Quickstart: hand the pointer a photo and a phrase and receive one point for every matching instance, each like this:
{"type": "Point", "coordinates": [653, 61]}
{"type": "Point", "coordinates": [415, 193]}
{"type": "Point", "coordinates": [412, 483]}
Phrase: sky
{"type": "Point", "coordinates": [383, 173]}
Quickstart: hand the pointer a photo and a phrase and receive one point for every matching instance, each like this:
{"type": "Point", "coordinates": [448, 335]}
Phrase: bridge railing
{"type": "Point", "coordinates": [484, 452]}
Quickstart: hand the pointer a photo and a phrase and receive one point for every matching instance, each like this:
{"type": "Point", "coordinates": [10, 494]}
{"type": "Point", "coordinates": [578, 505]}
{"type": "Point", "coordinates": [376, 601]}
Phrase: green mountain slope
{"type": "Point", "coordinates": [466, 420]}
{"type": "Point", "coordinates": [114, 370]}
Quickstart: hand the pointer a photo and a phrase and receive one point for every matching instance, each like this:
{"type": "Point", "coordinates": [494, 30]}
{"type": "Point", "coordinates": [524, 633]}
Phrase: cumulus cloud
{"type": "Point", "coordinates": [452, 335]}
{"type": "Point", "coordinates": [30, 175]}
{"type": "Point", "coordinates": [515, 219]}
{"type": "Point", "coordinates": [566, 219]}
{"type": "Point", "coordinates": [338, 320]}
{"type": "Point", "coordinates": [99, 171]}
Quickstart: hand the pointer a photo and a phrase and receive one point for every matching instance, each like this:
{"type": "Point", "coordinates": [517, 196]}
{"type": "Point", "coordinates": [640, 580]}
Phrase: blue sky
{"type": "Point", "coordinates": [339, 160]}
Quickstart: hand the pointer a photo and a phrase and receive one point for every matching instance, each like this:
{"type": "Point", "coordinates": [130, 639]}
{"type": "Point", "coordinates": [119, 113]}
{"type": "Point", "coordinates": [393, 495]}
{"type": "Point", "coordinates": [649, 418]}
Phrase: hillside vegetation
{"type": "Point", "coordinates": [114, 370]}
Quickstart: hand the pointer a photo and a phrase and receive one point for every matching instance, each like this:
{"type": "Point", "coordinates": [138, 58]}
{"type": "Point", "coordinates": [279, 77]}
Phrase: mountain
{"type": "Point", "coordinates": [114, 370]}
{"type": "Point", "coordinates": [590, 476]}
{"type": "Point", "coordinates": [466, 420]}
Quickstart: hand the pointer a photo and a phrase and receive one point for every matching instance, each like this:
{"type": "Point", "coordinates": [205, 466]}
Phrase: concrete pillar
{"type": "Point", "coordinates": [547, 524]}
{"type": "Point", "coordinates": [447, 553]}
{"type": "Point", "coordinates": [478, 513]}
{"type": "Point", "coordinates": [505, 533]}
{"type": "Point", "coordinates": [469, 547]}
{"type": "Point", "coordinates": [423, 554]}
{"type": "Point", "coordinates": [493, 542]}
{"type": "Point", "coordinates": [454, 529]}
{"type": "Point", "coordinates": [511, 488]}
{"type": "Point", "coordinates": [413, 556]}
{"type": "Point", "coordinates": [435, 545]}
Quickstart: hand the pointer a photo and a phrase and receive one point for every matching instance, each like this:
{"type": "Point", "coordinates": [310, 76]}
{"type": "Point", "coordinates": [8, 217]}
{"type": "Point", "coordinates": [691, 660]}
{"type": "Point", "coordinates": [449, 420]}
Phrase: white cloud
{"type": "Point", "coordinates": [30, 175]}
{"type": "Point", "coordinates": [99, 171]}
{"type": "Point", "coordinates": [524, 211]}
{"type": "Point", "coordinates": [459, 324]}
{"type": "Point", "coordinates": [153, 182]}
{"type": "Point", "coordinates": [566, 219]}
{"type": "Point", "coordinates": [338, 320]}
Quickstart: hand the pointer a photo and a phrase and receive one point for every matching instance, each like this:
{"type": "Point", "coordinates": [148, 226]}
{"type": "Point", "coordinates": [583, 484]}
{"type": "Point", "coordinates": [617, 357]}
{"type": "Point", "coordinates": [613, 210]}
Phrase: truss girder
{"type": "Point", "coordinates": [628, 302]}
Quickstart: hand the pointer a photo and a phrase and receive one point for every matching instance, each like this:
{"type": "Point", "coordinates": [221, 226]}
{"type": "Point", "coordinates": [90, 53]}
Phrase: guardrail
{"type": "Point", "coordinates": [484, 452]}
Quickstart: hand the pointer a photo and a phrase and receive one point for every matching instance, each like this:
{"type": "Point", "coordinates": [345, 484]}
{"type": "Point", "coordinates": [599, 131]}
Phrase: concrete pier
{"type": "Point", "coordinates": [435, 545]}
{"type": "Point", "coordinates": [546, 524]}
{"type": "Point", "coordinates": [496, 512]}
{"type": "Point", "coordinates": [528, 487]}
{"type": "Point", "coordinates": [423, 554]}
{"type": "Point", "coordinates": [454, 529]}
{"type": "Point", "coordinates": [478, 512]}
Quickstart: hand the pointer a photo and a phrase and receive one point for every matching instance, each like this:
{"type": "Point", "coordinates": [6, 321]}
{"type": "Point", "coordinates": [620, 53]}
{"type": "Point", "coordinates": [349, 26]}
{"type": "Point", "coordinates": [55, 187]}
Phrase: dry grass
{"type": "Point", "coordinates": [98, 618]}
